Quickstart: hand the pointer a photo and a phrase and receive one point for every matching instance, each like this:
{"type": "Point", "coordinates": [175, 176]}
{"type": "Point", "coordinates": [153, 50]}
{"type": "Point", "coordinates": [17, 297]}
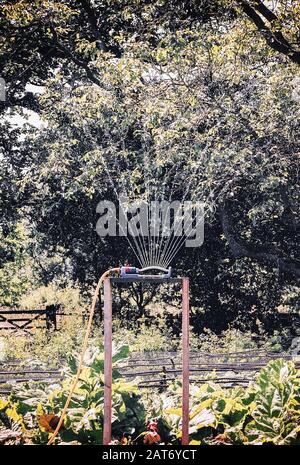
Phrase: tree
{"type": "Point", "coordinates": [39, 36]}
{"type": "Point", "coordinates": [196, 109]}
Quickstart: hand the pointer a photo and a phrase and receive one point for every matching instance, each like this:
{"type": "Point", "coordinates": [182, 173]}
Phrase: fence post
{"type": "Point", "coordinates": [51, 320]}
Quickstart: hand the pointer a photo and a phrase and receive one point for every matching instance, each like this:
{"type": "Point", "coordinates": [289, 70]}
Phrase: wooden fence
{"type": "Point", "coordinates": [157, 370]}
{"type": "Point", "coordinates": [25, 320]}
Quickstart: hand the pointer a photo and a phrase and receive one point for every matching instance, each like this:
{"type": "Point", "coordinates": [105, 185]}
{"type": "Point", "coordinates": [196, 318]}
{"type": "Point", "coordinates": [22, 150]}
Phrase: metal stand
{"type": "Point", "coordinates": [185, 361]}
{"type": "Point", "coordinates": [108, 349]}
{"type": "Point", "coordinates": [107, 361]}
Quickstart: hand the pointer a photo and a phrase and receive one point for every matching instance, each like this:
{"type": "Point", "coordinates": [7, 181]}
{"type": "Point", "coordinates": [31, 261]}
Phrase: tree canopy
{"type": "Point", "coordinates": [192, 99]}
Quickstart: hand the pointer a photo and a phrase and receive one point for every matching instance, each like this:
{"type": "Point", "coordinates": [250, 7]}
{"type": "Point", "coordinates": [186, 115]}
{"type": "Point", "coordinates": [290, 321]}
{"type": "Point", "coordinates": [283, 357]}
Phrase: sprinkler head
{"type": "Point", "coordinates": [133, 272]}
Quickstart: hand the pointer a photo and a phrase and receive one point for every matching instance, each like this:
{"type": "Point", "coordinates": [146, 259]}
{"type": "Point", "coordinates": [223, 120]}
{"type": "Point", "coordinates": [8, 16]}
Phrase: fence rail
{"type": "Point", "coordinates": [161, 370]}
{"type": "Point", "coordinates": [25, 320]}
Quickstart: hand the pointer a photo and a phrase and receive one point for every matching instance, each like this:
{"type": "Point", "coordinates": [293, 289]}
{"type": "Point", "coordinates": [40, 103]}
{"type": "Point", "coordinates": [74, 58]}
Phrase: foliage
{"type": "Point", "coordinates": [146, 337]}
{"type": "Point", "coordinates": [15, 263]}
{"type": "Point", "coordinates": [277, 410]}
{"type": "Point", "coordinates": [268, 411]}
{"type": "Point", "coordinates": [157, 94]}
{"type": "Point", "coordinates": [70, 298]}
{"type": "Point", "coordinates": [84, 421]}
{"type": "Point", "coordinates": [231, 340]}
{"type": "Point", "coordinates": [51, 348]}
{"type": "Point", "coordinates": [71, 34]}
{"type": "Point", "coordinates": [153, 334]}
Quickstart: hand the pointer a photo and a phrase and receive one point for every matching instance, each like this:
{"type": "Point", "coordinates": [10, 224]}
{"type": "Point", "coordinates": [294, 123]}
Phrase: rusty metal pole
{"type": "Point", "coordinates": [185, 362]}
{"type": "Point", "coordinates": [107, 362]}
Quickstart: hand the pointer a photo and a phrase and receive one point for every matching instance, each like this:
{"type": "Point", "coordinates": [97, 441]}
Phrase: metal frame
{"type": "Point", "coordinates": [108, 349]}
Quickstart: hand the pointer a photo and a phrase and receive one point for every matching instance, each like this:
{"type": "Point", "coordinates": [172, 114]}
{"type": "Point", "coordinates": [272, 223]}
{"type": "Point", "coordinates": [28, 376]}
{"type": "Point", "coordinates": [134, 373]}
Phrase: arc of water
{"type": "Point", "coordinates": [174, 247]}
{"type": "Point", "coordinates": [138, 252]}
{"type": "Point", "coordinates": [173, 236]}
{"type": "Point", "coordinates": [175, 250]}
{"type": "Point", "coordinates": [163, 240]}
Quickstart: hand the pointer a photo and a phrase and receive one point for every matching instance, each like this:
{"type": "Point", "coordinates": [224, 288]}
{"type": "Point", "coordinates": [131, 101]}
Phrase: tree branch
{"type": "Point", "coordinates": [78, 61]}
{"type": "Point", "coordinates": [290, 216]}
{"type": "Point", "coordinates": [264, 10]}
{"type": "Point", "coordinates": [274, 39]}
{"type": "Point", "coordinates": [239, 249]}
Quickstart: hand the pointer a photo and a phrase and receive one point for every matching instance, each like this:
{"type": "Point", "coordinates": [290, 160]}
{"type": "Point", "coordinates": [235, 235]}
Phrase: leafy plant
{"type": "Point", "coordinates": [276, 416]}
{"type": "Point", "coordinates": [84, 420]}
{"type": "Point", "coordinates": [268, 411]}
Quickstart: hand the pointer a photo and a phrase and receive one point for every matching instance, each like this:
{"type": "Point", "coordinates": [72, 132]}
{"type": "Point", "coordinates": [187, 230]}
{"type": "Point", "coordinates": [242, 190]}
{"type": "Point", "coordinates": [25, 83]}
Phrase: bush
{"type": "Point", "coordinates": [50, 347]}
{"type": "Point", "coordinates": [68, 297]}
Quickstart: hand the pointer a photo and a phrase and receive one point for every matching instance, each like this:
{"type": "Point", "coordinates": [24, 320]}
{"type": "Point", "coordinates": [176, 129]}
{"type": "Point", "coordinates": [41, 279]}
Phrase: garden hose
{"type": "Point", "coordinates": [83, 349]}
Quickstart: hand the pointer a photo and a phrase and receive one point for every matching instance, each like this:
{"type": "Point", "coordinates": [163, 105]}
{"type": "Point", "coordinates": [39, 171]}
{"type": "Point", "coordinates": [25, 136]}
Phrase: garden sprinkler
{"type": "Point", "coordinates": [126, 272]}
{"type": "Point", "coordinates": [133, 272]}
